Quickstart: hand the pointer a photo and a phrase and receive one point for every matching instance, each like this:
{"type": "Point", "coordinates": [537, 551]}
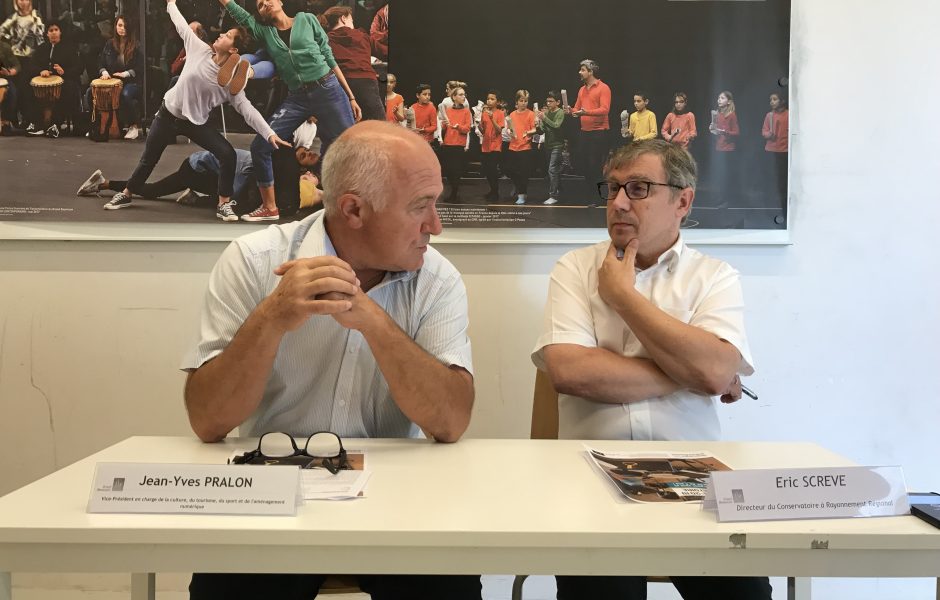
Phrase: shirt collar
{"type": "Point", "coordinates": [670, 258]}
{"type": "Point", "coordinates": [317, 242]}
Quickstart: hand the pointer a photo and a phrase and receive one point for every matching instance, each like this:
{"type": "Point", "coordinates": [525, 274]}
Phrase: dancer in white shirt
{"type": "Point", "coordinates": [185, 111]}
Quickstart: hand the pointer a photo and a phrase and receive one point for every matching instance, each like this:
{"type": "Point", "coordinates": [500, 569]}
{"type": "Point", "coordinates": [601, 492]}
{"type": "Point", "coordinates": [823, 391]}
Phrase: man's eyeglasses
{"type": "Point", "coordinates": [325, 448]}
{"type": "Point", "coordinates": [635, 190]}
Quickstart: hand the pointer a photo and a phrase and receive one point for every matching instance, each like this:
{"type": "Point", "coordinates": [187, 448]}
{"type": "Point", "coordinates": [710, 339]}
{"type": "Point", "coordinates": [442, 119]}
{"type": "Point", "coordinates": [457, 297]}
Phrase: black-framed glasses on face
{"type": "Point", "coordinates": [324, 448]}
{"type": "Point", "coordinates": [635, 190]}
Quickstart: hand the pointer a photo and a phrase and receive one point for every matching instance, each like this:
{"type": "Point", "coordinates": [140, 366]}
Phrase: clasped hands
{"type": "Point", "coordinates": [323, 285]}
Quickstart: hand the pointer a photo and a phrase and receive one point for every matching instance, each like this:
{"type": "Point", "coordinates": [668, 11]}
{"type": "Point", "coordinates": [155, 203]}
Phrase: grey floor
{"type": "Point", "coordinates": [40, 176]}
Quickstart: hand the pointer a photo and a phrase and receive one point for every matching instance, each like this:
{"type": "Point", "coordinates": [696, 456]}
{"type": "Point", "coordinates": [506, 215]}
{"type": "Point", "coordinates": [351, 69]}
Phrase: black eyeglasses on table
{"type": "Point", "coordinates": [635, 190]}
{"type": "Point", "coordinates": [324, 448]}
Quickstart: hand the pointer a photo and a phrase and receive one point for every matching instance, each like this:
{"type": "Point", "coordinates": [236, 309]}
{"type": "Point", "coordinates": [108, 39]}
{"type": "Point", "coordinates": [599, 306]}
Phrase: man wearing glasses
{"type": "Point", "coordinates": [642, 332]}
{"type": "Point", "coordinates": [346, 322]}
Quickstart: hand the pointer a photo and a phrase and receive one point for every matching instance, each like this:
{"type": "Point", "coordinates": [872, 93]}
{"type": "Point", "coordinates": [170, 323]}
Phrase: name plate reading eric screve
{"type": "Point", "coordinates": [820, 493]}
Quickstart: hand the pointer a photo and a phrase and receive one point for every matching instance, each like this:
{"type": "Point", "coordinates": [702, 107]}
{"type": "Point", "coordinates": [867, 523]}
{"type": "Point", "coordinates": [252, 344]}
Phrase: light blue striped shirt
{"type": "Point", "coordinates": [325, 376]}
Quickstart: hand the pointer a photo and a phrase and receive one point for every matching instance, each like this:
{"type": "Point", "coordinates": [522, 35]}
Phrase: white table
{"type": "Point", "coordinates": [477, 506]}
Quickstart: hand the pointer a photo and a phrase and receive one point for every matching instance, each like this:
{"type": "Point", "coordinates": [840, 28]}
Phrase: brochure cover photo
{"type": "Point", "coordinates": [659, 476]}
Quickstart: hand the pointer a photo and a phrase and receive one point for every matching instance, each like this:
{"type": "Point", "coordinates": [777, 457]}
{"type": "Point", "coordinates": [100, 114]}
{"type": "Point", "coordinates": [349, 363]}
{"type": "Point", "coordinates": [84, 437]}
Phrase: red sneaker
{"type": "Point", "coordinates": [262, 214]}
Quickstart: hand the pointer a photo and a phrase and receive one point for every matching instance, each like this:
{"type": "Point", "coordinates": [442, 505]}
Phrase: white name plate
{"type": "Point", "coordinates": [822, 493]}
{"type": "Point", "coordinates": [194, 489]}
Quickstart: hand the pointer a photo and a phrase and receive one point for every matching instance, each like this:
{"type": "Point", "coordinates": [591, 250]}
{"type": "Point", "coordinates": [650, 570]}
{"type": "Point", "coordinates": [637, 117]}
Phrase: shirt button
{"type": "Point", "coordinates": [342, 403]}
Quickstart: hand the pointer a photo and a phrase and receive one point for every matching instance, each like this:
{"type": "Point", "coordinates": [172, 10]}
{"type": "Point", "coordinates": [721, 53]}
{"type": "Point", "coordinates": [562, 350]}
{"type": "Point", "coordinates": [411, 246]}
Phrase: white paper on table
{"type": "Point", "coordinates": [320, 484]}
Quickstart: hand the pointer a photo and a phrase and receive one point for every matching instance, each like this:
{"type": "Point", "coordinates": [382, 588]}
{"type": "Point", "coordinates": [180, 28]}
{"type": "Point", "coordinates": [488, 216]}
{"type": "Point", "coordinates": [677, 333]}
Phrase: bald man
{"type": "Point", "coordinates": [346, 321]}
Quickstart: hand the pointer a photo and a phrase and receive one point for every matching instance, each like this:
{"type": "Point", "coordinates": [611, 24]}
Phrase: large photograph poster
{"type": "Point", "coordinates": [74, 122]}
{"type": "Point", "coordinates": [647, 52]}
{"type": "Point", "coordinates": [729, 61]}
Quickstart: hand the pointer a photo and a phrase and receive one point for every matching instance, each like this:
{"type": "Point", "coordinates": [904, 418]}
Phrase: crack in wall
{"type": "Point", "coordinates": [32, 382]}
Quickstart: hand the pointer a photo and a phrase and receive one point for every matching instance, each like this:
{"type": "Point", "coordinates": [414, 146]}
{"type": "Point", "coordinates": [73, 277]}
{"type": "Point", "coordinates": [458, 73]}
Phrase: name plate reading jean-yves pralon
{"type": "Point", "coordinates": [194, 489]}
{"type": "Point", "coordinates": [820, 493]}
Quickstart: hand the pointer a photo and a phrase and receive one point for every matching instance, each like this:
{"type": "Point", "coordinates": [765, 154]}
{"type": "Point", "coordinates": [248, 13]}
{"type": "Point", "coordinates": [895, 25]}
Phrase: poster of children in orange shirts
{"type": "Point", "coordinates": [710, 77]}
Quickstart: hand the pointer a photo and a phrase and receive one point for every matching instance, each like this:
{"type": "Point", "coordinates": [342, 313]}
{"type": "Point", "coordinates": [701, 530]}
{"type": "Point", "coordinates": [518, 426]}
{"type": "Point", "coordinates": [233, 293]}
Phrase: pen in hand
{"type": "Point", "coordinates": [748, 391]}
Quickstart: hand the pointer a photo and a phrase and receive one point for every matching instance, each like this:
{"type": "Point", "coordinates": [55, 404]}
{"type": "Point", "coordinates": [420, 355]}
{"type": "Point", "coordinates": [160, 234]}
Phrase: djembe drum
{"type": "Point", "coordinates": [47, 91]}
{"type": "Point", "coordinates": [106, 97]}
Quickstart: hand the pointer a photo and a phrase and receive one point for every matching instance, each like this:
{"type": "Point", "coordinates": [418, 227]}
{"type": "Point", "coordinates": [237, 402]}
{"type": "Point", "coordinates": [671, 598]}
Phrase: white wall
{"type": "Point", "coordinates": [843, 324]}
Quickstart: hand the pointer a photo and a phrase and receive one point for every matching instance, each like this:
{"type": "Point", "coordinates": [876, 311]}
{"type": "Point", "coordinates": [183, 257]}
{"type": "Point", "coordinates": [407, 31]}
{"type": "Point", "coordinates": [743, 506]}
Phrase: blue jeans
{"type": "Point", "coordinates": [554, 172]}
{"type": "Point", "coordinates": [163, 131]}
{"type": "Point", "coordinates": [326, 101]}
{"type": "Point", "coordinates": [128, 111]}
{"type": "Point", "coordinates": [261, 64]}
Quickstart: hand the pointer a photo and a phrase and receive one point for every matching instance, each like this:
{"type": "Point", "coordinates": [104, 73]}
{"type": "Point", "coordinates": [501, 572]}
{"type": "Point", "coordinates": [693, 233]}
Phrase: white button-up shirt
{"type": "Point", "coordinates": [694, 288]}
{"type": "Point", "coordinates": [325, 377]}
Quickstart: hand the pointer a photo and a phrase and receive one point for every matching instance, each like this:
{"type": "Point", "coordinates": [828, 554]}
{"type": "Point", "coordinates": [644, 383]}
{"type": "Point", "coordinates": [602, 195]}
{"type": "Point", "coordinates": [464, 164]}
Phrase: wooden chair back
{"type": "Point", "coordinates": [544, 409]}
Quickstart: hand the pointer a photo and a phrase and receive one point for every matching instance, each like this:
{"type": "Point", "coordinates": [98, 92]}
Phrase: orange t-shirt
{"type": "Point", "coordinates": [777, 129]}
{"type": "Point", "coordinates": [492, 134]}
{"type": "Point", "coordinates": [685, 123]}
{"type": "Point", "coordinates": [728, 123]}
{"type": "Point", "coordinates": [521, 122]}
{"type": "Point", "coordinates": [391, 105]}
{"type": "Point", "coordinates": [425, 120]}
{"type": "Point", "coordinates": [461, 118]}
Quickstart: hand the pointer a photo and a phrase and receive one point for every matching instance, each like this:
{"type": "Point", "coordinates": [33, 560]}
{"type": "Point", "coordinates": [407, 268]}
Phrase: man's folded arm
{"type": "Point", "coordinates": [603, 376]}
{"type": "Point", "coordinates": [430, 376]}
{"type": "Point", "coordinates": [436, 397]}
{"type": "Point", "coordinates": [226, 390]}
{"type": "Point", "coordinates": [695, 358]}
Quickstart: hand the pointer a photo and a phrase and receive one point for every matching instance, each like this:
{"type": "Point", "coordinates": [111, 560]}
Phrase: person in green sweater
{"type": "Point", "coordinates": [317, 88]}
{"type": "Point", "coordinates": [550, 119]}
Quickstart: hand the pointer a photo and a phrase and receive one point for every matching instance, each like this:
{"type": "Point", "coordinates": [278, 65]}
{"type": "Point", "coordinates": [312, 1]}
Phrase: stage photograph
{"type": "Point", "coordinates": [188, 111]}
